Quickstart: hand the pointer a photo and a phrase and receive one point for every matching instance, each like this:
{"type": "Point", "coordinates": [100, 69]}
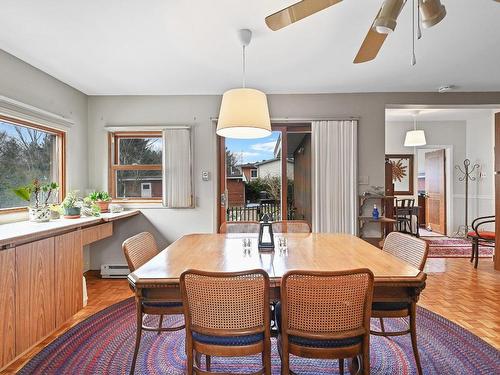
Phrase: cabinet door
{"type": "Point", "coordinates": [68, 275]}
{"type": "Point", "coordinates": [35, 301]}
{"type": "Point", "coordinates": [7, 306]}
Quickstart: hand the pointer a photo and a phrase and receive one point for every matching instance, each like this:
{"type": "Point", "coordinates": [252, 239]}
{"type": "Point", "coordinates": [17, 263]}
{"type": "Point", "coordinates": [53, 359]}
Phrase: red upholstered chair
{"type": "Point", "coordinates": [481, 237]}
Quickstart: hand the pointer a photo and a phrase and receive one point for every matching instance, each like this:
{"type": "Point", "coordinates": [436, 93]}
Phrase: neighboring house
{"type": "Point", "coordinates": [249, 171]}
{"type": "Point", "coordinates": [146, 187]}
{"type": "Point", "coordinates": [272, 168]}
{"type": "Point", "coordinates": [235, 185]}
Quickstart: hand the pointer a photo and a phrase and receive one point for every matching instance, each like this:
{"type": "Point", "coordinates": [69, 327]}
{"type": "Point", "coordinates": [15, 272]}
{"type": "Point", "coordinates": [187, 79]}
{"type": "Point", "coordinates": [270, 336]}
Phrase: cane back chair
{"type": "Point", "coordinates": [414, 251]}
{"type": "Point", "coordinates": [239, 227]}
{"type": "Point", "coordinates": [325, 315]}
{"type": "Point", "coordinates": [138, 250]}
{"type": "Point", "coordinates": [291, 226]}
{"type": "Point", "coordinates": [226, 314]}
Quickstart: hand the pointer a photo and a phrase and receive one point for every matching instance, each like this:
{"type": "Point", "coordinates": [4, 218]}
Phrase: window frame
{"type": "Point", "coordinates": [61, 150]}
{"type": "Point", "coordinates": [114, 166]}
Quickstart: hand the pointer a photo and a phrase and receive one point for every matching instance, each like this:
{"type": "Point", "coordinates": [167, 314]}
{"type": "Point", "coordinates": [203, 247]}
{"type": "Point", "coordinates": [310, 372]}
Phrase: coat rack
{"type": "Point", "coordinates": [466, 176]}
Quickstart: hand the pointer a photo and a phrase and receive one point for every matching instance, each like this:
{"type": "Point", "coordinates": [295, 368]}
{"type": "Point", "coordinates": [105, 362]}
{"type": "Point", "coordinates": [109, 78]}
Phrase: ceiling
{"type": "Point", "coordinates": [439, 114]}
{"type": "Point", "coordinates": [190, 46]}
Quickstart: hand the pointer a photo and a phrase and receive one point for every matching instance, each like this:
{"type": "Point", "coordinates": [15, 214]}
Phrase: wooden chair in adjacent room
{"type": "Point", "coordinates": [239, 227]}
{"type": "Point", "coordinates": [291, 226]}
{"type": "Point", "coordinates": [481, 237]}
{"type": "Point", "coordinates": [325, 315]}
{"type": "Point", "coordinates": [226, 314]}
{"type": "Point", "coordinates": [414, 251]}
{"type": "Point", "coordinates": [138, 250]}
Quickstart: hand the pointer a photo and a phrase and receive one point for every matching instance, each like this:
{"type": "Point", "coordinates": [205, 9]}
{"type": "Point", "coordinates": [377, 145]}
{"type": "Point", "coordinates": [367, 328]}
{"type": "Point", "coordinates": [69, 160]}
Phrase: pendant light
{"type": "Point", "coordinates": [244, 112]}
{"type": "Point", "coordinates": [432, 12]}
{"type": "Point", "coordinates": [415, 137]}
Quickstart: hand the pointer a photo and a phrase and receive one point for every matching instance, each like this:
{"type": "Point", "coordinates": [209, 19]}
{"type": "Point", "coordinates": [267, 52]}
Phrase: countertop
{"type": "Point", "coordinates": [25, 231]}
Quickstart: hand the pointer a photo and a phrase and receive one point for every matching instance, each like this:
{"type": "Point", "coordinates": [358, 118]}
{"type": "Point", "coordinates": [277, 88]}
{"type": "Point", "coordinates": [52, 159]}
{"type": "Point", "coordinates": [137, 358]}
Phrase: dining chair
{"type": "Point", "coordinates": [138, 250]}
{"type": "Point", "coordinates": [325, 315]}
{"type": "Point", "coordinates": [414, 251]}
{"type": "Point", "coordinates": [403, 212]}
{"type": "Point", "coordinates": [291, 226]}
{"type": "Point", "coordinates": [239, 227]}
{"type": "Point", "coordinates": [226, 314]}
{"type": "Point", "coordinates": [481, 237]}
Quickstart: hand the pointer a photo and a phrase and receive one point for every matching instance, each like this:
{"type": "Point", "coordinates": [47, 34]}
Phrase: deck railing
{"type": "Point", "coordinates": [255, 213]}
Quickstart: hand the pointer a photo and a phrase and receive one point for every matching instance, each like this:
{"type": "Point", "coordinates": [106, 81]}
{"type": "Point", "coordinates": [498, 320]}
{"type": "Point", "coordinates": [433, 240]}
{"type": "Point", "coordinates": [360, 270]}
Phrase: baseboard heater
{"type": "Point", "coordinates": [114, 271]}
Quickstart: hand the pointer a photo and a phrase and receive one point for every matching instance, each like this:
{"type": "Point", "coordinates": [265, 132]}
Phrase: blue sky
{"type": "Point", "coordinates": [253, 150]}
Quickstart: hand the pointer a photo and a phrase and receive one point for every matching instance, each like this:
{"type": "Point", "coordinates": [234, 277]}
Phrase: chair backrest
{"type": "Point", "coordinates": [240, 227]}
{"type": "Point", "coordinates": [411, 249]}
{"type": "Point", "coordinates": [326, 303]}
{"type": "Point", "coordinates": [291, 226]}
{"type": "Point", "coordinates": [405, 203]}
{"type": "Point", "coordinates": [139, 249]}
{"type": "Point", "coordinates": [218, 303]}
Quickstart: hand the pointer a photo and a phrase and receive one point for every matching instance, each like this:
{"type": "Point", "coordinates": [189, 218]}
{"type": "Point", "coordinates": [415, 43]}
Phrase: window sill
{"type": "Point", "coordinates": [138, 203]}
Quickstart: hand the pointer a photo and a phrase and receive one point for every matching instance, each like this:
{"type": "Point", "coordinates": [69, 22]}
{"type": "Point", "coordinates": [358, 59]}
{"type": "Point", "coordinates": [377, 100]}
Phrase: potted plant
{"type": "Point", "coordinates": [71, 205]}
{"type": "Point", "coordinates": [39, 212]}
{"type": "Point", "coordinates": [101, 199]}
{"type": "Point", "coordinates": [55, 211]}
{"type": "Point", "coordinates": [90, 208]}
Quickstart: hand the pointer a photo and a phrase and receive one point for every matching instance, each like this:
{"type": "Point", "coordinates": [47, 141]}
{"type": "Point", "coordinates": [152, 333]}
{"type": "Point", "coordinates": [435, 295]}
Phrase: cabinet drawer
{"type": "Point", "coordinates": [96, 233]}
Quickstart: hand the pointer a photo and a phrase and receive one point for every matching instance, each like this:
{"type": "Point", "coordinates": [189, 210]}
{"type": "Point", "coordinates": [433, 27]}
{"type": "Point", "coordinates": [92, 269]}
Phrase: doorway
{"type": "Point", "coordinates": [434, 183]}
{"type": "Point", "coordinates": [270, 175]}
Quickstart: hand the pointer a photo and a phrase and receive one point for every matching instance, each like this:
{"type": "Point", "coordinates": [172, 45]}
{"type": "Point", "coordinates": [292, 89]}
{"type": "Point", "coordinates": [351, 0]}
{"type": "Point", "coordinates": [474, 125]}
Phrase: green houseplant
{"type": "Point", "coordinates": [39, 194]}
{"type": "Point", "coordinates": [101, 199]}
{"type": "Point", "coordinates": [90, 208]}
{"type": "Point", "coordinates": [71, 205]}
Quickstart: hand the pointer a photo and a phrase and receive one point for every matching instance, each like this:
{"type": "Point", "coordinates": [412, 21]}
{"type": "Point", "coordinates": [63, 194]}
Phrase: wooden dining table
{"type": "Point", "coordinates": [158, 279]}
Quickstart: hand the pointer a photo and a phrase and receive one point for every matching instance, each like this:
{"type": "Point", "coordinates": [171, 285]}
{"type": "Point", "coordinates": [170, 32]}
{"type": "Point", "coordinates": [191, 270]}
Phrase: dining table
{"type": "Point", "coordinates": [158, 278]}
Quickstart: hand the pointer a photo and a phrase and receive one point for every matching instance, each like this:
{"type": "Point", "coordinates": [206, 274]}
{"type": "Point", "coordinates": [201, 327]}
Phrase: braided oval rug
{"type": "Point", "coordinates": [104, 343]}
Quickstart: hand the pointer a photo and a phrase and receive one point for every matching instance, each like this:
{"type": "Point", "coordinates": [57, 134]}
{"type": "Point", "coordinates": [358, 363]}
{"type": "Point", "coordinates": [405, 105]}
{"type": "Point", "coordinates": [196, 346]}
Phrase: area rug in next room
{"type": "Point", "coordinates": [104, 344]}
{"type": "Point", "coordinates": [445, 247]}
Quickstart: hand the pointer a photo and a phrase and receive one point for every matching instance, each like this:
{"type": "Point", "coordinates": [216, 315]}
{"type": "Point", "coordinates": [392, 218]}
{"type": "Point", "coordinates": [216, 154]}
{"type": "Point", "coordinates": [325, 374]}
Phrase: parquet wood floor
{"type": "Point", "coordinates": [467, 296]}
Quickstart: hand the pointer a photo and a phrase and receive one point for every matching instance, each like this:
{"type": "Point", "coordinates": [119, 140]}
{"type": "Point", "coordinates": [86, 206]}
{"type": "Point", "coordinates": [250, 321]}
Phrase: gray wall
{"type": "Point", "coordinates": [29, 85]}
{"type": "Point", "coordinates": [198, 110]}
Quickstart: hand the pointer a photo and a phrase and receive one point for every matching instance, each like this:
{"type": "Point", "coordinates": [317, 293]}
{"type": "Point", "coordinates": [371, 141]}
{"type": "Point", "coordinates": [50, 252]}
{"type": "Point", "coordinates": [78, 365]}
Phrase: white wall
{"type": "Point", "coordinates": [274, 169]}
{"type": "Point", "coordinates": [480, 141]}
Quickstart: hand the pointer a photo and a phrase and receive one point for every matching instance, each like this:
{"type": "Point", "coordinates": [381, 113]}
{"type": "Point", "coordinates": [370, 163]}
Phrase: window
{"type": "Point", "coordinates": [136, 165]}
{"type": "Point", "coordinates": [28, 151]}
{"type": "Point", "coordinates": [253, 173]}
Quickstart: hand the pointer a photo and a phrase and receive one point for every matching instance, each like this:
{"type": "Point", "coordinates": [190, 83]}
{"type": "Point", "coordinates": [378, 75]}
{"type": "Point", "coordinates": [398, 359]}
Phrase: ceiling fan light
{"type": "Point", "coordinates": [386, 21]}
{"type": "Point", "coordinates": [432, 12]}
{"type": "Point", "coordinates": [415, 138]}
{"type": "Point", "coordinates": [244, 114]}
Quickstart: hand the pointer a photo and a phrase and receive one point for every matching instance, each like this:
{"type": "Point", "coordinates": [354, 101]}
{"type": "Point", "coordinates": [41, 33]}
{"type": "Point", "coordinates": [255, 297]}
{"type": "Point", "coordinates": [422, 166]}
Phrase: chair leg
{"type": "Point", "coordinates": [138, 335]}
{"type": "Point", "coordinates": [266, 358]}
{"type": "Point", "coordinates": [472, 252]}
{"type": "Point", "coordinates": [160, 324]}
{"type": "Point", "coordinates": [341, 366]}
{"type": "Point", "coordinates": [477, 255]}
{"type": "Point", "coordinates": [413, 333]}
{"type": "Point", "coordinates": [382, 328]}
{"type": "Point", "coordinates": [208, 362]}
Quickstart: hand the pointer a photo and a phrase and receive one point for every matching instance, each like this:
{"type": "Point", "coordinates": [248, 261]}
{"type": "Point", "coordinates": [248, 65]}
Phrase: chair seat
{"type": "Point", "coordinates": [161, 304]}
{"type": "Point", "coordinates": [389, 306]}
{"type": "Point", "coordinates": [482, 234]}
{"type": "Point", "coordinates": [314, 343]}
{"type": "Point", "coordinates": [228, 340]}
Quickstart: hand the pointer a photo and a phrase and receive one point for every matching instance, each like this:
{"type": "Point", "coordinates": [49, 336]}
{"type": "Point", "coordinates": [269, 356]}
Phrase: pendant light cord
{"type": "Point", "coordinates": [244, 67]}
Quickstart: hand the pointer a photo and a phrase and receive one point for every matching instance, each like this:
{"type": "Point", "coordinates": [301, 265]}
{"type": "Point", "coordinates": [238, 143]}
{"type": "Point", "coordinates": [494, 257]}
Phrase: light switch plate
{"type": "Point", "coordinates": [205, 175]}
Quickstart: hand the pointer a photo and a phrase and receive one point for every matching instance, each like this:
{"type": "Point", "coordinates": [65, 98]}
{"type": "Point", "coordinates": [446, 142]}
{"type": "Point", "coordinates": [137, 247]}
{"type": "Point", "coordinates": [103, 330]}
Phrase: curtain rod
{"type": "Point", "coordinates": [110, 127]}
{"type": "Point", "coordinates": [299, 119]}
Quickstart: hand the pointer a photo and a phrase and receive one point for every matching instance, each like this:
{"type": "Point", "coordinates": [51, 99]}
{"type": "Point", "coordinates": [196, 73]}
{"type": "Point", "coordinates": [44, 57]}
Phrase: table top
{"type": "Point", "coordinates": [315, 251]}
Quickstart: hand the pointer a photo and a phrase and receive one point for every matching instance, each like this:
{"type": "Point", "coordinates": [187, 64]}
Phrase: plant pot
{"type": "Point", "coordinates": [103, 206]}
{"type": "Point", "coordinates": [39, 214]}
{"type": "Point", "coordinates": [72, 212]}
{"type": "Point", "coordinates": [54, 215]}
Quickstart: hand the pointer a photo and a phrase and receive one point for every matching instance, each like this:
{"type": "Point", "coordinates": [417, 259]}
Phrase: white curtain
{"type": "Point", "coordinates": [334, 176]}
{"type": "Point", "coordinates": [177, 174]}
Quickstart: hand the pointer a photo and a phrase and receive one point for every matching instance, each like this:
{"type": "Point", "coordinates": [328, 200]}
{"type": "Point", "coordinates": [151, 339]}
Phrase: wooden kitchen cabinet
{"type": "Point", "coordinates": [68, 275]}
{"type": "Point", "coordinates": [35, 297]}
{"type": "Point", "coordinates": [7, 305]}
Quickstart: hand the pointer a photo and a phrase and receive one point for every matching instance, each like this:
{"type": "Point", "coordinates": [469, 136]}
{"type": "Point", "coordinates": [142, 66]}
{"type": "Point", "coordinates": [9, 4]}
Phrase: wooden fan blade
{"type": "Point", "coordinates": [296, 12]}
{"type": "Point", "coordinates": [370, 47]}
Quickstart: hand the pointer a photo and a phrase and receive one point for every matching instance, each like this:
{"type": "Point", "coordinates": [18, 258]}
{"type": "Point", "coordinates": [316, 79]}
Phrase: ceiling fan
{"type": "Point", "coordinates": [431, 12]}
